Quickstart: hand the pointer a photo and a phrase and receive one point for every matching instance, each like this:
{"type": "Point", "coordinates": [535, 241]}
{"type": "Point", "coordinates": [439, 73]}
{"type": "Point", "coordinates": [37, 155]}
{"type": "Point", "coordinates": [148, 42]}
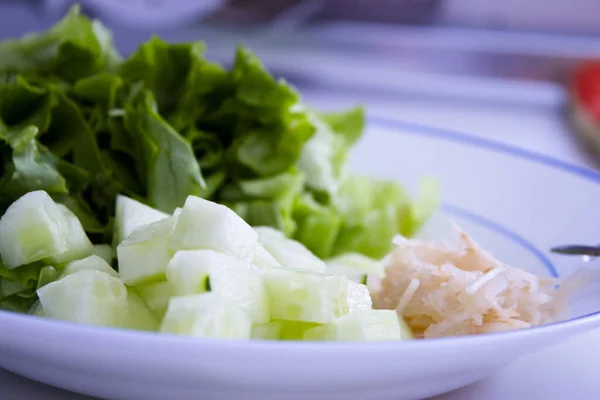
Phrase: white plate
{"type": "Point", "coordinates": [515, 202]}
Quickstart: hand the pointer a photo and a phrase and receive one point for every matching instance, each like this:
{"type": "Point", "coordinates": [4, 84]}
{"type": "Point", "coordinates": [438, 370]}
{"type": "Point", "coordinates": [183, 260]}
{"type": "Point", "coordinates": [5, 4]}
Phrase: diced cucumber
{"type": "Point", "coordinates": [302, 296]}
{"type": "Point", "coordinates": [287, 252]}
{"type": "Point", "coordinates": [156, 296]}
{"type": "Point", "coordinates": [294, 330]}
{"type": "Point", "coordinates": [89, 297]}
{"type": "Point", "coordinates": [92, 262]}
{"type": "Point", "coordinates": [355, 266]}
{"type": "Point", "coordinates": [210, 226]}
{"type": "Point", "coordinates": [140, 316]}
{"type": "Point", "coordinates": [195, 271]}
{"type": "Point", "coordinates": [37, 309]}
{"type": "Point", "coordinates": [143, 256]}
{"type": "Point", "coordinates": [405, 332]}
{"type": "Point", "coordinates": [264, 259]}
{"type": "Point", "coordinates": [282, 330]}
{"type": "Point", "coordinates": [105, 252]}
{"type": "Point", "coordinates": [206, 315]}
{"type": "Point", "coordinates": [131, 214]}
{"type": "Point", "coordinates": [268, 331]}
{"type": "Point", "coordinates": [358, 297]}
{"type": "Point", "coordinates": [31, 229]}
{"type": "Point", "coordinates": [363, 325]}
{"type": "Point", "coordinates": [320, 333]}
{"type": "Point", "coordinates": [188, 272]}
{"type": "Point", "coordinates": [78, 244]}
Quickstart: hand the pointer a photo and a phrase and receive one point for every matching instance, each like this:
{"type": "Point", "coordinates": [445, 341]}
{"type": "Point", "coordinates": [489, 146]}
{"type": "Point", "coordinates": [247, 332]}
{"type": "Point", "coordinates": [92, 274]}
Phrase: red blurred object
{"type": "Point", "coordinates": [584, 107]}
{"type": "Point", "coordinates": [586, 89]}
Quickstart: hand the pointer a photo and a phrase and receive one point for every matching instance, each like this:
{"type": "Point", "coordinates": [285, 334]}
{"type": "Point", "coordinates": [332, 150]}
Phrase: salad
{"type": "Point", "coordinates": [164, 192]}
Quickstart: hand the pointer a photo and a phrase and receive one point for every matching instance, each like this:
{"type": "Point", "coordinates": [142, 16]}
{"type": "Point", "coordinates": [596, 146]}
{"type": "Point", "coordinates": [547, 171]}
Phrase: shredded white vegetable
{"type": "Point", "coordinates": [448, 290]}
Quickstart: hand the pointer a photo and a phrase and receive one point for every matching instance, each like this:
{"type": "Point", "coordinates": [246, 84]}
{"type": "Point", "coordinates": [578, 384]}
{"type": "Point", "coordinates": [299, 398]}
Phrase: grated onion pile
{"type": "Point", "coordinates": [449, 290]}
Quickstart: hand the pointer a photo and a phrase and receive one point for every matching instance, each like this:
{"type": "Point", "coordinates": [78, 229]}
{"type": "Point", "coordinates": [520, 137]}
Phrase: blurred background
{"type": "Point", "coordinates": [517, 71]}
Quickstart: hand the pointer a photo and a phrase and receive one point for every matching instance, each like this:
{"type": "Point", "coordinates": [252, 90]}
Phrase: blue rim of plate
{"type": "Point", "coordinates": [417, 130]}
{"type": "Point", "coordinates": [410, 128]}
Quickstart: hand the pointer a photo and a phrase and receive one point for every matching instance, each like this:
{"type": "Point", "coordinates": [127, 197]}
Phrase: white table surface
{"type": "Point", "coordinates": [561, 372]}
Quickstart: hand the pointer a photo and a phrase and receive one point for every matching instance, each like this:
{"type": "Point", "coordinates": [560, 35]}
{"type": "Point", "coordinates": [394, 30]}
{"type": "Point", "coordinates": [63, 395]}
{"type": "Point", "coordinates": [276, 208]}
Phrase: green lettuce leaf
{"type": "Point", "coordinates": [349, 124]}
{"type": "Point", "coordinates": [266, 201]}
{"type": "Point", "coordinates": [74, 48]}
{"type": "Point", "coordinates": [374, 211]}
{"type": "Point", "coordinates": [171, 169]}
{"type": "Point", "coordinates": [318, 226]}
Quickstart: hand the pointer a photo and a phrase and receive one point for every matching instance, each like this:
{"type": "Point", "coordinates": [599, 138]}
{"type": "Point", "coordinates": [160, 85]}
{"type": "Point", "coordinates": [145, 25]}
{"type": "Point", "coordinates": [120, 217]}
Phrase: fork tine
{"type": "Point", "coordinates": [578, 250]}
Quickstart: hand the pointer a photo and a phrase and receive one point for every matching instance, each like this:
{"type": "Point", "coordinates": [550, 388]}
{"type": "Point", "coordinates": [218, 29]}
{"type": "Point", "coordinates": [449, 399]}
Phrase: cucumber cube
{"type": "Point", "coordinates": [365, 325]}
{"type": "Point", "coordinates": [36, 309]}
{"type": "Point", "coordinates": [105, 252]}
{"type": "Point", "coordinates": [195, 271]}
{"type": "Point", "coordinates": [156, 296]}
{"type": "Point", "coordinates": [289, 253]}
{"type": "Point", "coordinates": [294, 330]}
{"type": "Point", "coordinates": [355, 266]}
{"type": "Point", "coordinates": [268, 331]}
{"type": "Point", "coordinates": [206, 315]}
{"type": "Point", "coordinates": [130, 214]}
{"type": "Point", "coordinates": [205, 225]}
{"type": "Point", "coordinates": [144, 255]}
{"type": "Point", "coordinates": [358, 297]}
{"type": "Point", "coordinates": [301, 296]}
{"type": "Point", "coordinates": [88, 297]}
{"type": "Point", "coordinates": [282, 330]}
{"type": "Point", "coordinates": [320, 333]}
{"type": "Point", "coordinates": [264, 259]}
{"type": "Point", "coordinates": [31, 229]}
{"type": "Point", "coordinates": [78, 244]}
{"type": "Point", "coordinates": [140, 316]}
{"type": "Point", "coordinates": [92, 262]}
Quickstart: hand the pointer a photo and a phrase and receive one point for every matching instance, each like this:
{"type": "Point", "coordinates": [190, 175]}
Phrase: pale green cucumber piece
{"type": "Point", "coordinates": [358, 297]}
{"type": "Point", "coordinates": [320, 333]}
{"type": "Point", "coordinates": [206, 315]}
{"type": "Point", "coordinates": [196, 271]}
{"type": "Point", "coordinates": [210, 226]}
{"type": "Point", "coordinates": [288, 252]}
{"type": "Point", "coordinates": [369, 325]}
{"type": "Point", "coordinates": [105, 252]}
{"type": "Point", "coordinates": [282, 330]}
{"type": "Point", "coordinates": [365, 325]}
{"type": "Point", "coordinates": [294, 330]}
{"type": "Point", "coordinates": [264, 259]}
{"type": "Point", "coordinates": [302, 296]}
{"type": "Point", "coordinates": [268, 331]}
{"type": "Point", "coordinates": [405, 331]}
{"type": "Point", "coordinates": [355, 266]}
{"type": "Point", "coordinates": [88, 297]}
{"type": "Point", "coordinates": [143, 256]}
{"type": "Point", "coordinates": [78, 244]}
{"type": "Point", "coordinates": [36, 309]}
{"type": "Point", "coordinates": [32, 228]}
{"type": "Point", "coordinates": [92, 262]}
{"type": "Point", "coordinates": [140, 316]}
{"type": "Point", "coordinates": [130, 214]}
{"type": "Point", "coordinates": [156, 296]}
